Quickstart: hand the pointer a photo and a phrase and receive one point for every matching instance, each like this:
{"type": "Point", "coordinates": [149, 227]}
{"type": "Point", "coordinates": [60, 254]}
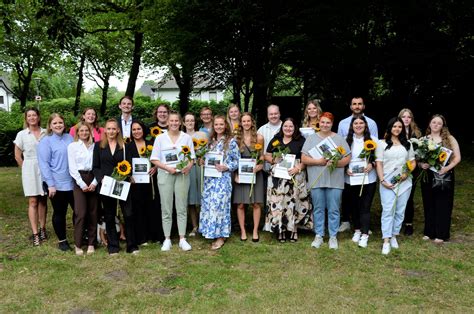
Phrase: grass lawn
{"type": "Point", "coordinates": [243, 276]}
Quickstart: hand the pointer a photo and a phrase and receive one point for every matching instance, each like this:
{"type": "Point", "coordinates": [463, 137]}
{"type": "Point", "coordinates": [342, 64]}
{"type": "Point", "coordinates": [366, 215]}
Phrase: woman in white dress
{"type": "Point", "coordinates": [26, 142]}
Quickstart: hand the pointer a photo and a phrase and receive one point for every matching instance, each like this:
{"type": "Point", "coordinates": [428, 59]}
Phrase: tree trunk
{"type": "Point", "coordinates": [184, 79]}
{"type": "Point", "coordinates": [80, 80]}
{"type": "Point", "coordinates": [247, 94]}
{"type": "Point", "coordinates": [105, 90]}
{"type": "Point", "coordinates": [137, 54]}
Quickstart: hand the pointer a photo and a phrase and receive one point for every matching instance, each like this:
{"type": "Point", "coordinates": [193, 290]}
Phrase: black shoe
{"type": "Point", "coordinates": [408, 230]}
{"type": "Point", "coordinates": [64, 246]}
{"type": "Point", "coordinates": [43, 235]}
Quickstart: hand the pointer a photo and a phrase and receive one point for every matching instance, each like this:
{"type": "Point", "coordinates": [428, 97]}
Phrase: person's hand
{"type": "Point", "coordinates": [387, 185]}
{"type": "Point", "coordinates": [349, 172]}
{"type": "Point", "coordinates": [132, 180]}
{"type": "Point", "coordinates": [443, 170]}
{"type": "Point", "coordinates": [236, 179]}
{"type": "Point", "coordinates": [221, 168]}
{"type": "Point", "coordinates": [368, 168]}
{"type": "Point", "coordinates": [323, 161]}
{"type": "Point", "coordinates": [424, 165]}
{"type": "Point", "coordinates": [188, 167]}
{"type": "Point", "coordinates": [51, 191]}
{"type": "Point", "coordinates": [293, 171]}
{"type": "Point", "coordinates": [171, 170]}
{"type": "Point", "coordinates": [92, 187]}
{"type": "Point", "coordinates": [152, 171]}
{"type": "Point", "coordinates": [201, 161]}
{"type": "Point", "coordinates": [85, 189]}
{"type": "Point", "coordinates": [258, 168]}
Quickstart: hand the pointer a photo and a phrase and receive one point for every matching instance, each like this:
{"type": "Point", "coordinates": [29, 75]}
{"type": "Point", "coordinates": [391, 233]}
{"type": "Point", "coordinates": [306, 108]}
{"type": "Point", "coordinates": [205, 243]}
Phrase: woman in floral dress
{"type": "Point", "coordinates": [214, 222]}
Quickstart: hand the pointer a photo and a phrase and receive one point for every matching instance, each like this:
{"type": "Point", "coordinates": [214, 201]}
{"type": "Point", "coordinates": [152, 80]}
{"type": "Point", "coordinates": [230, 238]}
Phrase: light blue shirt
{"type": "Point", "coordinates": [343, 128]}
{"type": "Point", "coordinates": [53, 163]}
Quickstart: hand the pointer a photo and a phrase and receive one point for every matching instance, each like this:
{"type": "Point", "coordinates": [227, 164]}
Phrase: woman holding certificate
{"type": "Point", "coordinates": [395, 160]}
{"type": "Point", "coordinates": [438, 190]}
{"type": "Point", "coordinates": [361, 177]}
{"type": "Point", "coordinates": [251, 147]}
{"type": "Point", "coordinates": [221, 160]}
{"type": "Point", "coordinates": [107, 155]}
{"type": "Point", "coordinates": [326, 153]}
{"type": "Point", "coordinates": [173, 154]}
{"type": "Point", "coordinates": [312, 114]}
{"type": "Point", "coordinates": [141, 191]}
{"type": "Point", "coordinates": [287, 196]}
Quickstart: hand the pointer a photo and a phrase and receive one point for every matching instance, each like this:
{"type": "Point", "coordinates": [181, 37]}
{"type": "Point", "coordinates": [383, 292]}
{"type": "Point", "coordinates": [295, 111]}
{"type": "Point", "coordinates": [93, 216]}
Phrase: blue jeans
{"type": "Point", "coordinates": [326, 198]}
{"type": "Point", "coordinates": [392, 214]}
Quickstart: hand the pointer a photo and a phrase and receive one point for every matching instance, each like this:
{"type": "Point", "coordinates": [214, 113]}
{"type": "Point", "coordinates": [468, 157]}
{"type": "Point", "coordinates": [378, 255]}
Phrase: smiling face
{"type": "Point", "coordinates": [397, 128]}
{"type": "Point", "coordinates": [406, 118]}
{"type": "Point", "coordinates": [57, 125]}
{"type": "Point", "coordinates": [325, 124]}
{"type": "Point", "coordinates": [189, 122]}
{"type": "Point", "coordinates": [234, 113]}
{"type": "Point", "coordinates": [436, 124]}
{"type": "Point", "coordinates": [89, 116]}
{"type": "Point", "coordinates": [219, 126]}
{"type": "Point", "coordinates": [137, 131]}
{"type": "Point", "coordinates": [111, 130]}
{"type": "Point", "coordinates": [273, 114]}
{"type": "Point", "coordinates": [357, 105]}
{"type": "Point", "coordinates": [32, 118]}
{"type": "Point", "coordinates": [83, 133]}
{"type": "Point", "coordinates": [288, 128]}
{"type": "Point", "coordinates": [126, 106]}
{"type": "Point", "coordinates": [246, 122]}
{"type": "Point", "coordinates": [312, 111]}
{"type": "Point", "coordinates": [174, 122]}
{"type": "Point", "coordinates": [206, 116]}
{"type": "Point", "coordinates": [359, 127]}
{"type": "Point", "coordinates": [162, 115]}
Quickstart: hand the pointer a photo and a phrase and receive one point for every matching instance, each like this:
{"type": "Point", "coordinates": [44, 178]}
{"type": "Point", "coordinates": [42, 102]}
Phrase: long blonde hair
{"type": "Point", "coordinates": [104, 141]}
{"type": "Point", "coordinates": [413, 129]}
{"type": "Point", "coordinates": [90, 140]}
{"type": "Point", "coordinates": [444, 134]}
{"type": "Point", "coordinates": [307, 119]}
{"type": "Point", "coordinates": [228, 117]}
{"type": "Point", "coordinates": [253, 132]}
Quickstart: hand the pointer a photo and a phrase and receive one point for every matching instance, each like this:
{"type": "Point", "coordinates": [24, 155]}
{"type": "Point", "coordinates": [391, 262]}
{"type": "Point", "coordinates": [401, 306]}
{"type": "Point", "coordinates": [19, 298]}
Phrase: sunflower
{"type": "Point", "coordinates": [410, 166]}
{"type": "Point", "coordinates": [142, 150]}
{"type": "Point", "coordinates": [316, 127]}
{"type": "Point", "coordinates": [149, 148]}
{"type": "Point", "coordinates": [258, 146]}
{"type": "Point", "coordinates": [155, 131]}
{"type": "Point", "coordinates": [442, 156]}
{"type": "Point", "coordinates": [124, 168]}
{"type": "Point", "coordinates": [195, 142]}
{"type": "Point", "coordinates": [185, 149]}
{"type": "Point", "coordinates": [341, 150]}
{"type": "Point", "coordinates": [369, 145]}
{"type": "Point", "coordinates": [236, 126]}
{"type": "Point", "coordinates": [202, 142]}
{"type": "Point", "coordinates": [276, 143]}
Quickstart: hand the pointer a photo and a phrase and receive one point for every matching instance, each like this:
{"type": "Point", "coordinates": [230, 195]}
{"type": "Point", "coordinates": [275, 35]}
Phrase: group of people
{"type": "Point", "coordinates": [69, 168]}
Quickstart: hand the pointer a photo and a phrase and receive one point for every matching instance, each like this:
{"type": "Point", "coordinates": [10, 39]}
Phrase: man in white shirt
{"type": "Point", "coordinates": [357, 107]}
{"type": "Point", "coordinates": [269, 130]}
{"type": "Point", "coordinates": [125, 120]}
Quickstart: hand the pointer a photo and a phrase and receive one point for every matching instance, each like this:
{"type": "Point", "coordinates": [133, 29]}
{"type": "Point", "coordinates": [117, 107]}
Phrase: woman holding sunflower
{"type": "Point", "coordinates": [288, 201]}
{"type": "Point", "coordinates": [173, 179]}
{"type": "Point", "coordinates": [111, 156]}
{"type": "Point", "coordinates": [438, 191]}
{"type": "Point", "coordinates": [141, 193]}
{"type": "Point", "coordinates": [194, 196]}
{"type": "Point", "coordinates": [394, 153]}
{"type": "Point", "coordinates": [251, 146]}
{"type": "Point", "coordinates": [359, 198]}
{"type": "Point", "coordinates": [327, 177]}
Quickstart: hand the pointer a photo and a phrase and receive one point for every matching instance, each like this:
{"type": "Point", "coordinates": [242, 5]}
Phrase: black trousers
{"type": "Point", "coordinates": [360, 205]}
{"type": "Point", "coordinates": [410, 209]}
{"type": "Point", "coordinates": [438, 207]}
{"type": "Point", "coordinates": [154, 223]}
{"type": "Point", "coordinates": [60, 201]}
{"type": "Point", "coordinates": [345, 206]}
{"type": "Point", "coordinates": [141, 194]}
{"type": "Point", "coordinates": [110, 211]}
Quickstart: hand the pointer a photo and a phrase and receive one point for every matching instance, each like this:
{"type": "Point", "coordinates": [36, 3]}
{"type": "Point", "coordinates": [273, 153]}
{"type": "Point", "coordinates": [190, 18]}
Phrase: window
{"type": "Point", "coordinates": [1, 100]}
{"type": "Point", "coordinates": [213, 95]}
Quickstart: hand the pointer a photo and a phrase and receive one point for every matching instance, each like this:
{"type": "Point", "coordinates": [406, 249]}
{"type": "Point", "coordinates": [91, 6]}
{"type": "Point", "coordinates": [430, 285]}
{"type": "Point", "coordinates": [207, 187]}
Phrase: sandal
{"type": "Point", "coordinates": [217, 245]}
{"type": "Point", "coordinates": [282, 237]}
{"type": "Point", "coordinates": [36, 239]}
{"type": "Point", "coordinates": [42, 234]}
{"type": "Point", "coordinates": [294, 237]}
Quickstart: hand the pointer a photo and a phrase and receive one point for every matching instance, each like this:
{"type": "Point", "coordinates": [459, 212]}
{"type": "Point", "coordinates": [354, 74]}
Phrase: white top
{"type": "Point", "coordinates": [79, 157]}
{"type": "Point", "coordinates": [163, 142]}
{"type": "Point", "coordinates": [356, 149]}
{"type": "Point", "coordinates": [30, 172]}
{"type": "Point", "coordinates": [126, 127]}
{"type": "Point", "coordinates": [395, 157]}
{"type": "Point", "coordinates": [344, 125]}
{"type": "Point", "coordinates": [268, 131]}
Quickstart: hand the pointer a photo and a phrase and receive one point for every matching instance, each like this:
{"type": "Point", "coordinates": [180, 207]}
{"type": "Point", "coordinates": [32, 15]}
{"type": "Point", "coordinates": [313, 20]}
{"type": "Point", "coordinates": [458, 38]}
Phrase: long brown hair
{"type": "Point", "coordinates": [444, 133]}
{"type": "Point", "coordinates": [253, 131]}
{"type": "Point", "coordinates": [105, 141]}
{"type": "Point", "coordinates": [95, 125]}
{"type": "Point", "coordinates": [227, 132]}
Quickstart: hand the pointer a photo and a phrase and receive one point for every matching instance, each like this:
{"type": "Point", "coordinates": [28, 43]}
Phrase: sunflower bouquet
{"type": "Point", "coordinates": [122, 171]}
{"type": "Point", "coordinates": [154, 132]}
{"type": "Point", "coordinates": [255, 154]}
{"type": "Point", "coordinates": [367, 153]}
{"type": "Point", "coordinates": [429, 152]}
{"type": "Point", "coordinates": [279, 150]}
{"type": "Point", "coordinates": [334, 155]}
{"type": "Point", "coordinates": [186, 153]}
{"type": "Point", "coordinates": [145, 151]}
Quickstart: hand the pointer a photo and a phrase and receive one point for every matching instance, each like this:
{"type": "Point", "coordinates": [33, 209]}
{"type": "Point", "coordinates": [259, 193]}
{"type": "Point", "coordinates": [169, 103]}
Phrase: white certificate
{"type": "Point", "coordinates": [307, 132]}
{"type": "Point", "coordinates": [113, 188]}
{"type": "Point", "coordinates": [357, 167]}
{"type": "Point", "coordinates": [246, 167]}
{"type": "Point", "coordinates": [211, 160]}
{"type": "Point", "coordinates": [398, 187]}
{"type": "Point", "coordinates": [140, 169]}
{"type": "Point", "coordinates": [326, 147]}
{"type": "Point", "coordinates": [447, 151]}
{"type": "Point", "coordinates": [170, 156]}
{"type": "Point", "coordinates": [281, 169]}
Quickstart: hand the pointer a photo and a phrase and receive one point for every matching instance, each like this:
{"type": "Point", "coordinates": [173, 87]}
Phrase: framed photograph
{"type": "Point", "coordinates": [140, 169]}
{"type": "Point", "coordinates": [447, 151]}
{"type": "Point", "coordinates": [246, 167]}
{"type": "Point", "coordinates": [357, 167]}
{"type": "Point", "coordinates": [211, 160]}
{"type": "Point", "coordinates": [326, 146]}
{"type": "Point", "coordinates": [281, 169]}
{"type": "Point", "coordinates": [113, 188]}
{"type": "Point", "coordinates": [170, 156]}
{"type": "Point", "coordinates": [393, 178]}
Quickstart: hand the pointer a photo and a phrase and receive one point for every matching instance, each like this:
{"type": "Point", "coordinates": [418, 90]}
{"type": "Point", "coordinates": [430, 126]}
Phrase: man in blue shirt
{"type": "Point", "coordinates": [357, 107]}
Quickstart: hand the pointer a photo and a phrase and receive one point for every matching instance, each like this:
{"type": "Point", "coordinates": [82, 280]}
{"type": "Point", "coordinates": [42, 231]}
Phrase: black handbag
{"type": "Point", "coordinates": [442, 181]}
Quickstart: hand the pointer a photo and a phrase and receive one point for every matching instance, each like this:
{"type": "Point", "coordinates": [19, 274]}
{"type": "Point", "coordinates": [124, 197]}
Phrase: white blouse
{"type": "Point", "coordinates": [80, 158]}
{"type": "Point", "coordinates": [163, 142]}
{"type": "Point", "coordinates": [395, 157]}
{"type": "Point", "coordinates": [356, 149]}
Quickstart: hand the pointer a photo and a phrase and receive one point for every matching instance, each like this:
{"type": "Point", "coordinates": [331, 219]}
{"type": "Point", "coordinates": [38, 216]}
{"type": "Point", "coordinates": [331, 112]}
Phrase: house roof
{"type": "Point", "coordinates": [169, 82]}
{"type": "Point", "coordinates": [5, 83]}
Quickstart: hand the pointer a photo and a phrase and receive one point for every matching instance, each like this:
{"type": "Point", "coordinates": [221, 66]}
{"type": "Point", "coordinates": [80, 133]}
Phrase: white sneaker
{"type": "Point", "coordinates": [345, 226]}
{"type": "Point", "coordinates": [386, 248]}
{"type": "Point", "coordinates": [333, 243]}
{"type": "Point", "coordinates": [356, 236]}
{"type": "Point", "coordinates": [184, 245]}
{"type": "Point", "coordinates": [166, 245]}
{"type": "Point", "coordinates": [317, 242]}
{"type": "Point", "coordinates": [136, 252]}
{"type": "Point", "coordinates": [363, 240]}
{"type": "Point", "coordinates": [393, 242]}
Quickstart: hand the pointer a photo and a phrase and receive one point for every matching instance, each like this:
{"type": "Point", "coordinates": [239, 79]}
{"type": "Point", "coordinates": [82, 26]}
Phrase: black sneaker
{"type": "Point", "coordinates": [408, 230]}
{"type": "Point", "coordinates": [64, 246]}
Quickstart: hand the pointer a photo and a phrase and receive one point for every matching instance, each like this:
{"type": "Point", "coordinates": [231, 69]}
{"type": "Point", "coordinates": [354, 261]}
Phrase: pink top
{"type": "Point", "coordinates": [97, 133]}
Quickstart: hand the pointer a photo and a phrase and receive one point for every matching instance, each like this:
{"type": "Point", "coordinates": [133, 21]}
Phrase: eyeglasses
{"type": "Point", "coordinates": [206, 114]}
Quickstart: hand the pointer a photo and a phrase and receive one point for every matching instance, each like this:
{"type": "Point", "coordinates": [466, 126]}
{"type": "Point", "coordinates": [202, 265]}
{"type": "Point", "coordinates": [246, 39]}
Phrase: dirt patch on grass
{"type": "Point", "coordinates": [116, 275]}
{"type": "Point", "coordinates": [463, 238]}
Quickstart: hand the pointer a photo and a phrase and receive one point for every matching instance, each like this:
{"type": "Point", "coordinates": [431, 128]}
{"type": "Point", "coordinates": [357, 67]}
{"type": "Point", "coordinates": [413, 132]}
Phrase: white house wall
{"type": "Point", "coordinates": [8, 99]}
{"type": "Point", "coordinates": [173, 95]}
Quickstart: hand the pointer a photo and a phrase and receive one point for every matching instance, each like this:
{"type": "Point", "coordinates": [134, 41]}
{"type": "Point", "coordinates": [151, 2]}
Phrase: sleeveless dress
{"type": "Point", "coordinates": [241, 191]}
